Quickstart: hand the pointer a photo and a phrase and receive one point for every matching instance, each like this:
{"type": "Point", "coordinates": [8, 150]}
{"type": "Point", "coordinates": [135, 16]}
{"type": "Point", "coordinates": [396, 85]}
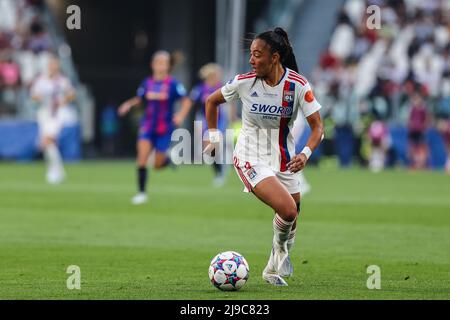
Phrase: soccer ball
{"type": "Point", "coordinates": [228, 271]}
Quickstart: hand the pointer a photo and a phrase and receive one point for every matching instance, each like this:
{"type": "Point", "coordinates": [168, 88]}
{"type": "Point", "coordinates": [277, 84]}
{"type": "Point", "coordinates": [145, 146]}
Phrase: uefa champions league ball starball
{"type": "Point", "coordinates": [229, 271]}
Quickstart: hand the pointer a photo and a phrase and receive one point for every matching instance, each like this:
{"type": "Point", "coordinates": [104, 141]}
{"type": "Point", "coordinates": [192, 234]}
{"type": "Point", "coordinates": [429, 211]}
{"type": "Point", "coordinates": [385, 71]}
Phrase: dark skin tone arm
{"type": "Point", "coordinates": [211, 105]}
{"type": "Point", "coordinates": [298, 162]}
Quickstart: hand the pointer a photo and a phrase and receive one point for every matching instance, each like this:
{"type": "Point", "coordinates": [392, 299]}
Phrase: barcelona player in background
{"type": "Point", "coordinates": [159, 92]}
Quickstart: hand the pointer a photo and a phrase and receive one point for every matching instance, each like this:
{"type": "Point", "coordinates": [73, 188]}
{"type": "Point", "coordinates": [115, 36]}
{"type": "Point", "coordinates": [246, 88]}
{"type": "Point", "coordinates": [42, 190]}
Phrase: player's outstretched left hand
{"type": "Point", "coordinates": [213, 143]}
{"type": "Point", "coordinates": [297, 163]}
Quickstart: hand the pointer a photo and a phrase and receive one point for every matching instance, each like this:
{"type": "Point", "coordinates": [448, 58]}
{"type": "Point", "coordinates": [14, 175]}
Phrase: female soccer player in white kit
{"type": "Point", "coordinates": [53, 92]}
{"type": "Point", "coordinates": [264, 157]}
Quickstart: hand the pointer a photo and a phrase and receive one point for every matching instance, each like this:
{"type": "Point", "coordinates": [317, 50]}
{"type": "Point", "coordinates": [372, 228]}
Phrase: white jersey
{"type": "Point", "coordinates": [51, 90]}
{"type": "Point", "coordinates": [268, 114]}
{"type": "Point", "coordinates": [53, 113]}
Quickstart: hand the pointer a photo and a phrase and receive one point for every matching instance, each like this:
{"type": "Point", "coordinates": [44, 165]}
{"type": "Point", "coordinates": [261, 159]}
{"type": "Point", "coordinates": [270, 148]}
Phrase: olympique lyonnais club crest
{"type": "Point", "coordinates": [251, 173]}
{"type": "Point", "coordinates": [288, 96]}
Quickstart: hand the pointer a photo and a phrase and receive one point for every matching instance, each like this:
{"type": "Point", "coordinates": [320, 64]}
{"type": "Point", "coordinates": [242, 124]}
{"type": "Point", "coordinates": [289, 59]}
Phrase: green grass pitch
{"type": "Point", "coordinates": [398, 220]}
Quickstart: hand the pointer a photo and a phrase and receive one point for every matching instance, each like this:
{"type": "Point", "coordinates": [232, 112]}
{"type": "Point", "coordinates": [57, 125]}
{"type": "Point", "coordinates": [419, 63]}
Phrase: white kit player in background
{"type": "Point", "coordinates": [53, 92]}
{"type": "Point", "coordinates": [272, 97]}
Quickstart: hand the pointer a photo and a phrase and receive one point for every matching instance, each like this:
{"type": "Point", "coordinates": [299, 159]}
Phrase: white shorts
{"type": "Point", "coordinates": [252, 174]}
{"type": "Point", "coordinates": [49, 125]}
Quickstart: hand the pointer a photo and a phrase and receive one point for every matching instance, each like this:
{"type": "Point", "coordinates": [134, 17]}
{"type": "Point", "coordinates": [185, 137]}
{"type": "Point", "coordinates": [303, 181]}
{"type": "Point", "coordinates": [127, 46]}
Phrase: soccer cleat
{"type": "Point", "coordinates": [286, 269]}
{"type": "Point", "coordinates": [274, 279]}
{"type": "Point", "coordinates": [140, 198]}
{"type": "Point", "coordinates": [55, 176]}
{"type": "Point", "coordinates": [219, 181]}
{"type": "Point", "coordinates": [277, 266]}
{"type": "Point", "coordinates": [280, 258]}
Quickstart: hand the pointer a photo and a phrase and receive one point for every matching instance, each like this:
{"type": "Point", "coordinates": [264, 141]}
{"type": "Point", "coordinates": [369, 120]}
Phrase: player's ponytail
{"type": "Point", "coordinates": [278, 41]}
{"type": "Point", "coordinates": [288, 58]}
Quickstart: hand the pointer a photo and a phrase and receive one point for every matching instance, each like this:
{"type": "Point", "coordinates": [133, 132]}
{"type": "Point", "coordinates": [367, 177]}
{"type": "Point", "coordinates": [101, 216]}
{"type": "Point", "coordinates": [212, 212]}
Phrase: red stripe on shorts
{"type": "Point", "coordinates": [244, 179]}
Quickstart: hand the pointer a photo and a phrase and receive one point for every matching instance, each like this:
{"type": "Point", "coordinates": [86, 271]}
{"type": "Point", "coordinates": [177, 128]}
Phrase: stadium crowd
{"type": "Point", "coordinates": [374, 80]}
{"type": "Point", "coordinates": [25, 49]}
{"type": "Point", "coordinates": [385, 91]}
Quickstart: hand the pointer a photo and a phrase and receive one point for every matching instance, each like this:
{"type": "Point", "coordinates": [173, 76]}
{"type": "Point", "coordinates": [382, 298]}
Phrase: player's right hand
{"type": "Point", "coordinates": [297, 163]}
{"type": "Point", "coordinates": [214, 142]}
{"type": "Point", "coordinates": [210, 149]}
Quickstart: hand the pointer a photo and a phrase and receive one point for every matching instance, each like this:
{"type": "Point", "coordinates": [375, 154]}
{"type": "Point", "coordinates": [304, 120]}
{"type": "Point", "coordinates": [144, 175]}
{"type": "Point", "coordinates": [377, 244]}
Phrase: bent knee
{"type": "Point", "coordinates": [158, 165]}
{"type": "Point", "coordinates": [289, 212]}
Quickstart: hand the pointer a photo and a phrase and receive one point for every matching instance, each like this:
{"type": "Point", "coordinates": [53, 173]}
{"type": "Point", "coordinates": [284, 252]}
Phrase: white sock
{"type": "Point", "coordinates": [53, 158]}
{"type": "Point", "coordinates": [281, 230]}
{"type": "Point", "coordinates": [291, 239]}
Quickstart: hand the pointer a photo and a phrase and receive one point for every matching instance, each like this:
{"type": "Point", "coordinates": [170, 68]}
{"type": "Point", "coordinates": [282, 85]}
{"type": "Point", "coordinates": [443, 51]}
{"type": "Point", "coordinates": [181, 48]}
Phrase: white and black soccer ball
{"type": "Point", "coordinates": [229, 271]}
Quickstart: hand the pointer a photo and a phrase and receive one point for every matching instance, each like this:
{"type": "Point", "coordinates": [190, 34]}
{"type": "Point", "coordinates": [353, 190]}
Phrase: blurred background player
{"type": "Point", "coordinates": [417, 126]}
{"type": "Point", "coordinates": [444, 128]}
{"type": "Point", "coordinates": [160, 92]}
{"type": "Point", "coordinates": [379, 144]}
{"type": "Point", "coordinates": [266, 163]}
{"type": "Point", "coordinates": [443, 116]}
{"type": "Point", "coordinates": [211, 74]}
{"type": "Point", "coordinates": [53, 92]}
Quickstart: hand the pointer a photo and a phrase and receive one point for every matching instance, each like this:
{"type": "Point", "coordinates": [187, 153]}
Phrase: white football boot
{"type": "Point", "coordinates": [277, 266]}
{"type": "Point", "coordinates": [55, 176]}
{"type": "Point", "coordinates": [284, 265]}
{"type": "Point", "coordinates": [286, 269]}
{"type": "Point", "coordinates": [140, 198]}
{"type": "Point", "coordinates": [219, 181]}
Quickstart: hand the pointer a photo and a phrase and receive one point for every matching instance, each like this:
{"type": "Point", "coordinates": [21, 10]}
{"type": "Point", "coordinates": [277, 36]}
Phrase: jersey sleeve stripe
{"type": "Point", "coordinates": [246, 77]}
{"type": "Point", "coordinates": [295, 74]}
{"type": "Point", "coordinates": [297, 79]}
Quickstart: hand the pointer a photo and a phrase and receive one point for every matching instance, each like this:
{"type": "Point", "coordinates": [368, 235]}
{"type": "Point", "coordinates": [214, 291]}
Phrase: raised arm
{"type": "Point", "coordinates": [127, 105]}
{"type": "Point", "coordinates": [186, 105]}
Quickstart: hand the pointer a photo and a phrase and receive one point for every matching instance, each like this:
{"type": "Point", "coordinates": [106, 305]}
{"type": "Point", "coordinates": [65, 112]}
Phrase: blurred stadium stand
{"type": "Point", "coordinates": [28, 36]}
{"type": "Point", "coordinates": [364, 74]}
{"type": "Point", "coordinates": [113, 49]}
{"type": "Point", "coordinates": [359, 75]}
